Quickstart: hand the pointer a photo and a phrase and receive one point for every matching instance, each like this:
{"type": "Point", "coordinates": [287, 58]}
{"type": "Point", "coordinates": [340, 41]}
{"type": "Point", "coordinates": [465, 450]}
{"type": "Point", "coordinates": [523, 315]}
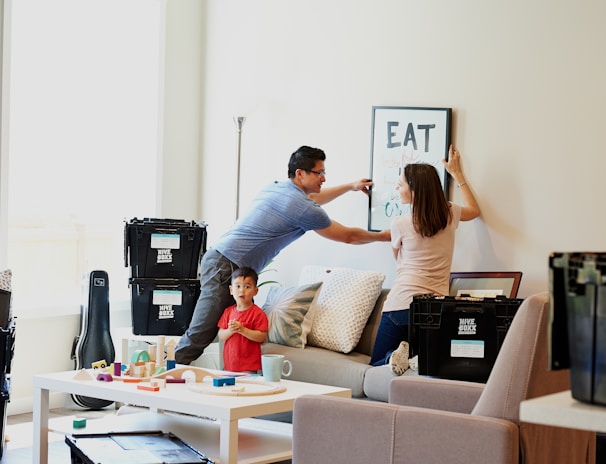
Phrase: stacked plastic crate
{"type": "Point", "coordinates": [164, 255]}
{"type": "Point", "coordinates": [459, 337]}
{"type": "Point", "coordinates": [7, 347]}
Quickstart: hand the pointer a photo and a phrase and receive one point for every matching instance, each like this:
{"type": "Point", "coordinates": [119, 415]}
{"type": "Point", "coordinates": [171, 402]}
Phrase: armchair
{"type": "Point", "coordinates": [438, 420]}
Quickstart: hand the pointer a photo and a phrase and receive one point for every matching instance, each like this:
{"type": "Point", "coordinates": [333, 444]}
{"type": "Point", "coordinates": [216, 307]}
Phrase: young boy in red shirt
{"type": "Point", "coordinates": [243, 326]}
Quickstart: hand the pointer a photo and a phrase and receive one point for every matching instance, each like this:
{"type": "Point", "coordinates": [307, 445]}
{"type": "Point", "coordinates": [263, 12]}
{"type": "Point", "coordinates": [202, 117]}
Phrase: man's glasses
{"type": "Point", "coordinates": [317, 173]}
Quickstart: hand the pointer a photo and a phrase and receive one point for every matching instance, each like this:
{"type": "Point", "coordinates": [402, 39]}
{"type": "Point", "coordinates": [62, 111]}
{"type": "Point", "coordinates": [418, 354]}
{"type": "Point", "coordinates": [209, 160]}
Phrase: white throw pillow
{"type": "Point", "coordinates": [287, 310]}
{"type": "Point", "coordinates": [5, 280]}
{"type": "Point", "coordinates": [343, 306]}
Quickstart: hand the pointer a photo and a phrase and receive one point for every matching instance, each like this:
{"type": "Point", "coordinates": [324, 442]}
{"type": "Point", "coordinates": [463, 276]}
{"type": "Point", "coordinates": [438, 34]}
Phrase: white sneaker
{"type": "Point", "coordinates": [413, 363]}
{"type": "Point", "coordinates": [398, 361]}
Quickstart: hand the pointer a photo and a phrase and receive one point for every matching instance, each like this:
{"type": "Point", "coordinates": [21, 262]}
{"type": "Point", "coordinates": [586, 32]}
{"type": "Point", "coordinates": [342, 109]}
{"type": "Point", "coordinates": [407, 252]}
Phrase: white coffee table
{"type": "Point", "coordinates": [219, 426]}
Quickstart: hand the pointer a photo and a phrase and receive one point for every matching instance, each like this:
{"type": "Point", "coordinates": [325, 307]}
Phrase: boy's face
{"type": "Point", "coordinates": [243, 289]}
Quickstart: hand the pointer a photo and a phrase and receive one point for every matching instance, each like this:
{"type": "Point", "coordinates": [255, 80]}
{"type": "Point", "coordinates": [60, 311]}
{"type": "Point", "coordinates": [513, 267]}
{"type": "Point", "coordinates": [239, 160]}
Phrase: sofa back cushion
{"type": "Point", "coordinates": [367, 340]}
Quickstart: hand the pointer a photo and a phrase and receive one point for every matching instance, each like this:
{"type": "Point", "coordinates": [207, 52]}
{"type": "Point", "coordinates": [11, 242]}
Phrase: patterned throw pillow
{"type": "Point", "coordinates": [343, 306]}
{"type": "Point", "coordinates": [288, 312]}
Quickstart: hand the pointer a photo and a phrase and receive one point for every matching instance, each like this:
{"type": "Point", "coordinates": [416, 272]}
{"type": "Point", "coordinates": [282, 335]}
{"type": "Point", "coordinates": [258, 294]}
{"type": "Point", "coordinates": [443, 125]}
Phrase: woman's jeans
{"type": "Point", "coordinates": [393, 329]}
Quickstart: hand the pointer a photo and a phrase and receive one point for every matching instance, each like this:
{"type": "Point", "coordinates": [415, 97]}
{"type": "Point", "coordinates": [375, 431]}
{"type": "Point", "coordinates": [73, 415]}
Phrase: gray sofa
{"type": "Point", "coordinates": [352, 370]}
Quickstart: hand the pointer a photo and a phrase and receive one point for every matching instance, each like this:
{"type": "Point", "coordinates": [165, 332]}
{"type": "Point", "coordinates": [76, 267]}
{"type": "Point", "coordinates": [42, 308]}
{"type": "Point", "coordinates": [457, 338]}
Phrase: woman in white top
{"type": "Point", "coordinates": [423, 244]}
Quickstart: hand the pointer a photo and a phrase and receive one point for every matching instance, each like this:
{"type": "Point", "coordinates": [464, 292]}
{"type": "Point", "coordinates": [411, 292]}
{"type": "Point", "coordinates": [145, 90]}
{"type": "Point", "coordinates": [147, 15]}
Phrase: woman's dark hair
{"type": "Point", "coordinates": [245, 272]}
{"type": "Point", "coordinates": [304, 158]}
{"type": "Point", "coordinates": [430, 210]}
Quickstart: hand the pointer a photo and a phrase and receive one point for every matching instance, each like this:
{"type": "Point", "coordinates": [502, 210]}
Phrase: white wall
{"type": "Point", "coordinates": [525, 80]}
{"type": "Point", "coordinates": [43, 344]}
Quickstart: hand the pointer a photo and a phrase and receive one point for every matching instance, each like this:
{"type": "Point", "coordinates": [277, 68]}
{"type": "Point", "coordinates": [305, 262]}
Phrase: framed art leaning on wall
{"type": "Point", "coordinates": [400, 136]}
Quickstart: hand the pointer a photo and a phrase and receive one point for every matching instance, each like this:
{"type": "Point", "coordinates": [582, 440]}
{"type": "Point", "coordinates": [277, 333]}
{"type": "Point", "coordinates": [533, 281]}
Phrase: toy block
{"type": "Point", "coordinates": [139, 355]}
{"type": "Point", "coordinates": [148, 387]}
{"type": "Point", "coordinates": [173, 380]}
{"type": "Point", "coordinates": [159, 383]}
{"type": "Point", "coordinates": [131, 380]}
{"type": "Point", "coordinates": [104, 377]}
{"type": "Point", "coordinates": [79, 423]}
{"type": "Point", "coordinates": [102, 364]}
{"type": "Point", "coordinates": [222, 381]}
{"type": "Point", "coordinates": [83, 374]}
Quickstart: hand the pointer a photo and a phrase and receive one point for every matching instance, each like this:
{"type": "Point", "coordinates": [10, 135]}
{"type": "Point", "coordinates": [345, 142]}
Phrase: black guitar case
{"type": "Point", "coordinates": [94, 342]}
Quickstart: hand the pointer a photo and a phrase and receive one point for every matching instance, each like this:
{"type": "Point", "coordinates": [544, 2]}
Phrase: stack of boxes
{"type": "Point", "coordinates": [164, 256]}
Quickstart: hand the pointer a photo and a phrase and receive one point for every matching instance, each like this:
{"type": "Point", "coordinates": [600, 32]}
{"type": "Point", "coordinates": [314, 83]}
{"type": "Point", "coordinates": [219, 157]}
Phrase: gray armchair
{"type": "Point", "coordinates": [431, 420]}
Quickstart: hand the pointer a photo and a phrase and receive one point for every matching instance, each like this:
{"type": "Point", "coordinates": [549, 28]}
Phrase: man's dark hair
{"type": "Point", "coordinates": [246, 272]}
{"type": "Point", "coordinates": [304, 158]}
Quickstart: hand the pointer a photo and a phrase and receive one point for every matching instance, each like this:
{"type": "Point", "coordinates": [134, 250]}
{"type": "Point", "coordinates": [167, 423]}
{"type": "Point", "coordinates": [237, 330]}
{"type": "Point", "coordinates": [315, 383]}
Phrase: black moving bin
{"type": "Point", "coordinates": [164, 247]}
{"type": "Point", "coordinates": [163, 306]}
{"type": "Point", "coordinates": [132, 447]}
{"type": "Point", "coordinates": [459, 337]}
{"type": "Point", "coordinates": [578, 312]}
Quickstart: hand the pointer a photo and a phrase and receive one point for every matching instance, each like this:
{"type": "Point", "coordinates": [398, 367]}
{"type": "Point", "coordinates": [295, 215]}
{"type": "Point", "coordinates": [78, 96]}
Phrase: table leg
{"type": "Point", "coordinates": [40, 423]}
{"type": "Point", "coordinates": [228, 442]}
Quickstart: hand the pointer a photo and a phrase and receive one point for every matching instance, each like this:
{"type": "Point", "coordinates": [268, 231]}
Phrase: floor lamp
{"type": "Point", "coordinates": [239, 120]}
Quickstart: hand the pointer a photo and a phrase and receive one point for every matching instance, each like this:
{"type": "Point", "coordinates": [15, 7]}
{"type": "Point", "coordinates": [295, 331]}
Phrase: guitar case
{"type": "Point", "coordinates": [94, 343]}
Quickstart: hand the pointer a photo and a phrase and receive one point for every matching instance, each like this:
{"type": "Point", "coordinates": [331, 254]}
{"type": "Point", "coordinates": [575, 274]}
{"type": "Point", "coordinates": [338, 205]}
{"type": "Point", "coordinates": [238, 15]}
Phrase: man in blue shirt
{"type": "Point", "coordinates": [280, 214]}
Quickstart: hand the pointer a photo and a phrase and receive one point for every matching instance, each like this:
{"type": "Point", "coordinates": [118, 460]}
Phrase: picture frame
{"type": "Point", "coordinates": [402, 135]}
{"type": "Point", "coordinates": [485, 284]}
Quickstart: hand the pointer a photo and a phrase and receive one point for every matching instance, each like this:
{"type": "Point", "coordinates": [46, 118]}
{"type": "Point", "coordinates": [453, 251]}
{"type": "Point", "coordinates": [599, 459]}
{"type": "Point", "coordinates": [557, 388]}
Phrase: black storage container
{"type": "Point", "coordinates": [164, 248]}
{"type": "Point", "coordinates": [459, 337]}
{"type": "Point", "coordinates": [163, 306]}
{"type": "Point", "coordinates": [131, 447]}
{"type": "Point", "coordinates": [577, 287]}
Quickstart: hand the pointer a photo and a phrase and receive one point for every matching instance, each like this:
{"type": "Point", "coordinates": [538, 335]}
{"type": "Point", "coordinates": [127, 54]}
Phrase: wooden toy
{"type": "Point", "coordinates": [221, 381]}
{"type": "Point", "coordinates": [104, 377]}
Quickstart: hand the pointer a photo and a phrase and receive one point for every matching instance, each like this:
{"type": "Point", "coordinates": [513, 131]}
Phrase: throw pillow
{"type": "Point", "coordinates": [5, 280]}
{"type": "Point", "coordinates": [344, 304]}
{"type": "Point", "coordinates": [287, 310]}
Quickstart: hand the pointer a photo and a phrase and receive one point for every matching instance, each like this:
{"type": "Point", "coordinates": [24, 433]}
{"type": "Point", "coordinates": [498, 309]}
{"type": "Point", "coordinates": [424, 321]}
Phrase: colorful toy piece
{"type": "Point", "coordinates": [171, 380]}
{"type": "Point", "coordinates": [222, 381]}
{"type": "Point", "coordinates": [104, 377]}
{"type": "Point", "coordinates": [148, 387]}
{"type": "Point", "coordinates": [79, 423]}
{"type": "Point", "coordinates": [139, 356]}
{"type": "Point", "coordinates": [102, 364]}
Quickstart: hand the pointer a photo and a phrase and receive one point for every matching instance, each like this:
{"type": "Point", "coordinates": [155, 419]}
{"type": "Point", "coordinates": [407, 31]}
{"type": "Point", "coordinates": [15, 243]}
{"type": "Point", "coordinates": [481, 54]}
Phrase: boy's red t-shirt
{"type": "Point", "coordinates": [239, 353]}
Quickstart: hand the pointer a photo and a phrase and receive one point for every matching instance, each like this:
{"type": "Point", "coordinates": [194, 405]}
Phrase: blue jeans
{"type": "Point", "coordinates": [392, 330]}
{"type": "Point", "coordinates": [215, 277]}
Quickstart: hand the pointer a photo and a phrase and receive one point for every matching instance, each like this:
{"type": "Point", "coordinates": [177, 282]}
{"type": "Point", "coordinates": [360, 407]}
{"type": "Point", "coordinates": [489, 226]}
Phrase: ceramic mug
{"type": "Point", "coordinates": [273, 366]}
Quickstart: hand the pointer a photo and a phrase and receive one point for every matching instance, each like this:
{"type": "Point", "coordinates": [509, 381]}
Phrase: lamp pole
{"type": "Point", "coordinates": [239, 120]}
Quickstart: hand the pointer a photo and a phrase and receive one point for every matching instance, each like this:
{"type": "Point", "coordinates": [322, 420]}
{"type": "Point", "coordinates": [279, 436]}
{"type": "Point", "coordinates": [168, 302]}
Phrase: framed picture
{"type": "Point", "coordinates": [485, 284]}
{"type": "Point", "coordinates": [400, 136]}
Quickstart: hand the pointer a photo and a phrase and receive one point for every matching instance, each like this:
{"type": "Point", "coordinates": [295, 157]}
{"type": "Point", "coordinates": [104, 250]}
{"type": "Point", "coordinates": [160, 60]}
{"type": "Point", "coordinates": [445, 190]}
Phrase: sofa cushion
{"type": "Point", "coordinates": [325, 367]}
{"type": "Point", "coordinates": [287, 309]}
{"type": "Point", "coordinates": [344, 304]}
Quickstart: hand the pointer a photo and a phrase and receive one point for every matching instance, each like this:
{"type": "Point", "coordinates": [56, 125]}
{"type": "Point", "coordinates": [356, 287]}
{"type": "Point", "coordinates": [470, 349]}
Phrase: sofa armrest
{"type": "Point", "coordinates": [328, 429]}
{"type": "Point", "coordinates": [442, 394]}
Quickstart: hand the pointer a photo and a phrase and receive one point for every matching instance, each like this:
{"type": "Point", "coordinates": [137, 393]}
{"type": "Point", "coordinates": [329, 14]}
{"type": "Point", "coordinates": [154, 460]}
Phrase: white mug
{"type": "Point", "coordinates": [273, 367]}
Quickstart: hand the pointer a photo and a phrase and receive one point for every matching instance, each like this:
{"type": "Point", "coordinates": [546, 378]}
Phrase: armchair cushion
{"type": "Point", "coordinates": [397, 435]}
{"type": "Point", "coordinates": [441, 394]}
